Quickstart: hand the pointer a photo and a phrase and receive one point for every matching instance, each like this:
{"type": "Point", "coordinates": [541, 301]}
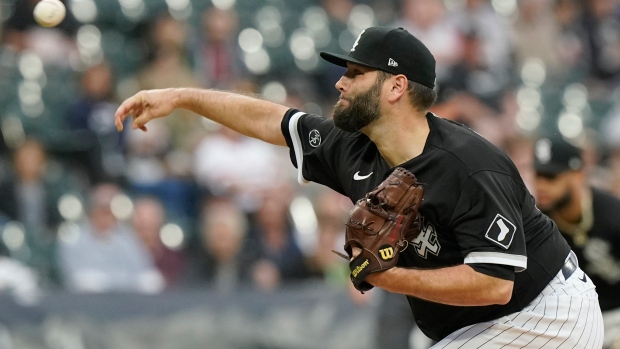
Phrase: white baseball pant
{"type": "Point", "coordinates": [566, 315]}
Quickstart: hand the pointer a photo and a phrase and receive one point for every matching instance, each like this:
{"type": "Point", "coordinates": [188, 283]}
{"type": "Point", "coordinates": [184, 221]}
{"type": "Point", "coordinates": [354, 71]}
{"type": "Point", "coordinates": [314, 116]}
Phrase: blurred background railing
{"type": "Point", "coordinates": [312, 316]}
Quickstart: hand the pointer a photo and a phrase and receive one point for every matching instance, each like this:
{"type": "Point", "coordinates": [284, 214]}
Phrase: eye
{"type": "Point", "coordinates": [351, 73]}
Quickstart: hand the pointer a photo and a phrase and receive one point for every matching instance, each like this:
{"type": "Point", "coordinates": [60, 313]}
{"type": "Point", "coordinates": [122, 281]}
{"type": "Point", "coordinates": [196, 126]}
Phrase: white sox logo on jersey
{"type": "Point", "coordinates": [427, 242]}
{"type": "Point", "coordinates": [501, 231]}
{"type": "Point", "coordinates": [315, 138]}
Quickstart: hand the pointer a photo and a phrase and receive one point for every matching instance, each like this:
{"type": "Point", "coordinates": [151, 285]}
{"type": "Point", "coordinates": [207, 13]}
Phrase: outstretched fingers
{"type": "Point", "coordinates": [133, 106]}
{"type": "Point", "coordinates": [128, 107]}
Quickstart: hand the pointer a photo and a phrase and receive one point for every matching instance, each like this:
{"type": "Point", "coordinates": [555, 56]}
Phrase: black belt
{"type": "Point", "coordinates": [570, 266]}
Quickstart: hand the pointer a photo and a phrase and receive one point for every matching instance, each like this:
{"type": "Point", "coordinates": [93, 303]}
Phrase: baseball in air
{"type": "Point", "coordinates": [49, 13]}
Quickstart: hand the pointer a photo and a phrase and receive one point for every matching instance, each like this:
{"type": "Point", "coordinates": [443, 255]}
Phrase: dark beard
{"type": "Point", "coordinates": [561, 203]}
{"type": "Point", "coordinates": [363, 109]}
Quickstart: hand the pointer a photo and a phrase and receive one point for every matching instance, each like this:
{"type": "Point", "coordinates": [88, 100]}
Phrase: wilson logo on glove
{"type": "Point", "coordinates": [358, 269]}
{"type": "Point", "coordinates": [386, 252]}
{"type": "Point", "coordinates": [384, 221]}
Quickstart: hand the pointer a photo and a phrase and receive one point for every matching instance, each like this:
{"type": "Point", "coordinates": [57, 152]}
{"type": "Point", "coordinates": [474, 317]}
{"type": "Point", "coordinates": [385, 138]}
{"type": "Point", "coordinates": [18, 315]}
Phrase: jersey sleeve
{"type": "Point", "coordinates": [313, 143]}
{"type": "Point", "coordinates": [487, 222]}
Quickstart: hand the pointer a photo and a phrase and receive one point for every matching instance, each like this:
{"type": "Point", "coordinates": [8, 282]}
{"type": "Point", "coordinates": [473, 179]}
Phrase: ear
{"type": "Point", "coordinates": [398, 88]}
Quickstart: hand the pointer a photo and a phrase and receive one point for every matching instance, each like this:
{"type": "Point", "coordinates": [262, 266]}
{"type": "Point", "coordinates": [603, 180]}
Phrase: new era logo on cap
{"type": "Point", "coordinates": [392, 63]}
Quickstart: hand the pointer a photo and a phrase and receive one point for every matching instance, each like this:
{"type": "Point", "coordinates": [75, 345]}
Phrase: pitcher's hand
{"type": "Point", "coordinates": [145, 106]}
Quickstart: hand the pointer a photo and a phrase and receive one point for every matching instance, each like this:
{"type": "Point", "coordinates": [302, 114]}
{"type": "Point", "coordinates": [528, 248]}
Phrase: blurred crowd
{"type": "Point", "coordinates": [193, 204]}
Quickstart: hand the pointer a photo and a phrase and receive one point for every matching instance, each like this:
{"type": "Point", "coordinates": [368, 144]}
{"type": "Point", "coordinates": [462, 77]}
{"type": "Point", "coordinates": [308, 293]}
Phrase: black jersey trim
{"type": "Point", "coordinates": [519, 262]}
{"type": "Point", "coordinates": [297, 146]}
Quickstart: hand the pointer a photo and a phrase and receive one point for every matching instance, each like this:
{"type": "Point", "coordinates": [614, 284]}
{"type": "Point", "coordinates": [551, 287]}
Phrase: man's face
{"type": "Point", "coordinates": [553, 192]}
{"type": "Point", "coordinates": [355, 110]}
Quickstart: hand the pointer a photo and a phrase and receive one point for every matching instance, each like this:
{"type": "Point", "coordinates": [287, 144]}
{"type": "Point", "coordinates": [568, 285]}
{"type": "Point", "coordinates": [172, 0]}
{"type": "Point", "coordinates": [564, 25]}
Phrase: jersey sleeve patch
{"type": "Point", "coordinates": [314, 138]}
{"type": "Point", "coordinates": [297, 146]}
{"type": "Point", "coordinates": [501, 231]}
{"type": "Point", "coordinates": [517, 261]}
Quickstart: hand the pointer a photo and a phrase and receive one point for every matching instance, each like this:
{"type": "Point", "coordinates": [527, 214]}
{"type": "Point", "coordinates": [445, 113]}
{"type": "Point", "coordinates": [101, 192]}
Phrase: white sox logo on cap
{"type": "Point", "coordinates": [357, 41]}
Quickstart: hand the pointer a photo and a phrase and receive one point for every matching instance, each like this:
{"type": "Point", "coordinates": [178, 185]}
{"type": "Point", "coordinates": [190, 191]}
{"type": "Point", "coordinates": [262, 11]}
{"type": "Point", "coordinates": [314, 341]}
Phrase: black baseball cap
{"type": "Point", "coordinates": [554, 156]}
{"type": "Point", "coordinates": [393, 50]}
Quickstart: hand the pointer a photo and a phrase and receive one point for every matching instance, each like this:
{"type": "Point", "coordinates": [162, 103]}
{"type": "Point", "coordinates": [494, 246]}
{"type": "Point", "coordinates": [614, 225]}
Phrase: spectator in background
{"type": "Point", "coordinates": [492, 30]}
{"type": "Point", "coordinates": [571, 43]}
{"type": "Point", "coordinates": [332, 210]}
{"type": "Point", "coordinates": [105, 254]}
{"type": "Point", "coordinates": [536, 34]}
{"type": "Point", "coordinates": [228, 163]}
{"type": "Point", "coordinates": [610, 132]}
{"type": "Point", "coordinates": [31, 195]}
{"type": "Point", "coordinates": [154, 169]}
{"type": "Point", "coordinates": [168, 62]}
{"type": "Point", "coordinates": [473, 92]}
{"type": "Point", "coordinates": [169, 66]}
{"type": "Point", "coordinates": [221, 260]}
{"type": "Point", "coordinates": [89, 117]}
{"type": "Point", "coordinates": [602, 25]}
{"type": "Point", "coordinates": [484, 68]}
{"type": "Point", "coordinates": [428, 21]}
{"type": "Point", "coordinates": [146, 156]}
{"type": "Point", "coordinates": [338, 12]}
{"type": "Point", "coordinates": [218, 61]}
{"type": "Point", "coordinates": [586, 217]}
{"type": "Point", "coordinates": [275, 239]}
{"type": "Point", "coordinates": [148, 218]}
{"type": "Point", "coordinates": [473, 76]}
{"type": "Point", "coordinates": [160, 164]}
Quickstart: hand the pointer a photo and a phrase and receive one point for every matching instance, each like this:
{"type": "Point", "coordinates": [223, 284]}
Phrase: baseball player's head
{"type": "Point", "coordinates": [558, 166]}
{"type": "Point", "coordinates": [390, 52]}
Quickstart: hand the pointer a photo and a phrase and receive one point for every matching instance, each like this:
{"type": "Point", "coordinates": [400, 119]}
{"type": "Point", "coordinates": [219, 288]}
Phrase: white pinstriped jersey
{"type": "Point", "coordinates": [476, 209]}
{"type": "Point", "coordinates": [565, 315]}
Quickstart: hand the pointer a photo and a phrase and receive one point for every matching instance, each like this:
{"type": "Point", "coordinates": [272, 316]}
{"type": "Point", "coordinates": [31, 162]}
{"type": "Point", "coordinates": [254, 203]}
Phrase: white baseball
{"type": "Point", "coordinates": [49, 13]}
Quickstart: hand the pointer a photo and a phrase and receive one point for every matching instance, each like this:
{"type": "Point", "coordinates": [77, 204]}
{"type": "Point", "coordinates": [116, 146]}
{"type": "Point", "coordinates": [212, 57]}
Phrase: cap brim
{"type": "Point", "coordinates": [342, 60]}
{"type": "Point", "coordinates": [550, 169]}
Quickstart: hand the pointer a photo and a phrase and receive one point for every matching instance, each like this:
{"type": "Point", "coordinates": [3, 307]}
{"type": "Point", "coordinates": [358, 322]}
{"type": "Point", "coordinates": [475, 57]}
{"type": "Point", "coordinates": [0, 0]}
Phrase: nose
{"type": "Point", "coordinates": [340, 84]}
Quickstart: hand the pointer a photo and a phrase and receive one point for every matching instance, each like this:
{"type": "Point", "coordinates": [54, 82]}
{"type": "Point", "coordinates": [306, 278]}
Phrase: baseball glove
{"type": "Point", "coordinates": [382, 225]}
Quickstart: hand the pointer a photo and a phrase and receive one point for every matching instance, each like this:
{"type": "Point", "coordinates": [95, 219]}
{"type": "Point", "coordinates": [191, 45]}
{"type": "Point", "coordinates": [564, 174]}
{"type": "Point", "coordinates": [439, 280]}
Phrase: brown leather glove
{"type": "Point", "coordinates": [382, 225]}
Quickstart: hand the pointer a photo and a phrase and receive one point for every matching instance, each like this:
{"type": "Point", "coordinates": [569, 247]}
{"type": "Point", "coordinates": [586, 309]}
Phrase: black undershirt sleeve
{"type": "Point", "coordinates": [505, 272]}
